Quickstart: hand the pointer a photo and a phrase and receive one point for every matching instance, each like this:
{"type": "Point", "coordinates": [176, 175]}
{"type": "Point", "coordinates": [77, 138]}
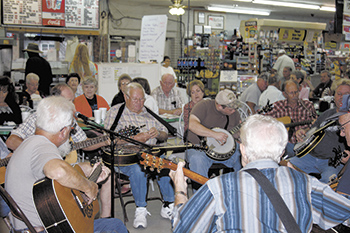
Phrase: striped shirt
{"type": "Point", "coordinates": [235, 202]}
{"type": "Point", "coordinates": [129, 118]}
{"type": "Point", "coordinates": [27, 128]}
{"type": "Point", "coordinates": [297, 114]}
{"type": "Point", "coordinates": [172, 102]}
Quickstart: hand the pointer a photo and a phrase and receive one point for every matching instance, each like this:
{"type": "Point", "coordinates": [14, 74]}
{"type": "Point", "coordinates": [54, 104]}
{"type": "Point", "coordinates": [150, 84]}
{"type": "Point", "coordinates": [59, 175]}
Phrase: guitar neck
{"type": "Point", "coordinates": [298, 123]}
{"type": "Point", "coordinates": [89, 142]}
{"type": "Point", "coordinates": [4, 162]}
{"type": "Point", "coordinates": [236, 128]}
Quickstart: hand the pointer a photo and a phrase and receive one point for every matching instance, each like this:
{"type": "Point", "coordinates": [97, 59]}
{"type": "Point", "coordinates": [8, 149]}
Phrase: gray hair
{"type": "Point", "coordinates": [57, 89]}
{"type": "Point", "coordinates": [54, 113]}
{"type": "Point", "coordinates": [263, 138]}
{"type": "Point", "coordinates": [133, 85]}
{"type": "Point", "coordinates": [32, 76]}
{"type": "Point", "coordinates": [89, 81]}
{"type": "Point", "coordinates": [328, 73]}
{"type": "Point", "coordinates": [168, 75]}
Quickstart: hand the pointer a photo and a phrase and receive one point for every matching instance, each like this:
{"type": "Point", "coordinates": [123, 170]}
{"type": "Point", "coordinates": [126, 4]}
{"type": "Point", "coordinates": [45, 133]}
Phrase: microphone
{"type": "Point", "coordinates": [79, 115]}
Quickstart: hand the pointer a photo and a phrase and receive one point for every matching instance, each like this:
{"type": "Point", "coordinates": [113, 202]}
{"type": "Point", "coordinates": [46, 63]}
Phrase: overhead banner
{"type": "Point", "coordinates": [286, 34]}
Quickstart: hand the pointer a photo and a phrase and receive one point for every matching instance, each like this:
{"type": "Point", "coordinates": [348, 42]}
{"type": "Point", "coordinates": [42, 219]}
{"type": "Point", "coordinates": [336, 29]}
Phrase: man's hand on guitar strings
{"type": "Point", "coordinates": [104, 173]}
{"type": "Point", "coordinates": [300, 134]}
{"type": "Point", "coordinates": [220, 137]}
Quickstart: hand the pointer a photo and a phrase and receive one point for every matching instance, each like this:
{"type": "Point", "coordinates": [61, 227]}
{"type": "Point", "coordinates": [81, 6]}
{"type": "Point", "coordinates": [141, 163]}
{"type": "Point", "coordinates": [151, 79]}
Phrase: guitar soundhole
{"type": "Point", "coordinates": [88, 209]}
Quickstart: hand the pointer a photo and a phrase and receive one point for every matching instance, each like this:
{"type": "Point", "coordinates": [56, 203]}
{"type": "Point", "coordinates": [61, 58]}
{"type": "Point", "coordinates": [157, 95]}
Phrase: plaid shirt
{"type": "Point", "coordinates": [297, 114]}
{"type": "Point", "coordinates": [129, 118]}
{"type": "Point", "coordinates": [27, 128]}
{"type": "Point", "coordinates": [172, 102]}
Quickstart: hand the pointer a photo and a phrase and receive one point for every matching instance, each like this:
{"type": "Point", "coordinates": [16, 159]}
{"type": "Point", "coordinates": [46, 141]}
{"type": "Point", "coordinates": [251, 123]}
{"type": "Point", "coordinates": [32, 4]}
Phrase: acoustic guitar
{"type": "Point", "coordinates": [287, 121]}
{"type": "Point", "coordinates": [155, 162]}
{"type": "Point", "coordinates": [62, 209]}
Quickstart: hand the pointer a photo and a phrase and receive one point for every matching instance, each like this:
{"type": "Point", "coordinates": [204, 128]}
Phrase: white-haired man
{"type": "Point", "coordinates": [31, 96]}
{"type": "Point", "coordinates": [168, 98]}
{"type": "Point", "coordinates": [236, 202]}
{"type": "Point", "coordinates": [40, 156]}
{"type": "Point", "coordinates": [134, 113]}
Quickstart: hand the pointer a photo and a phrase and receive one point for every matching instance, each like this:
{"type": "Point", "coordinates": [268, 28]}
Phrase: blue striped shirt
{"type": "Point", "coordinates": [235, 202]}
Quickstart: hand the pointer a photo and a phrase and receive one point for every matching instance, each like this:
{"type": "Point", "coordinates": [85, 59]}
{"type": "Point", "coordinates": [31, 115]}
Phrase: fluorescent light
{"type": "Point", "coordinates": [287, 4]}
{"type": "Point", "coordinates": [327, 8]}
{"type": "Point", "coordinates": [237, 10]}
{"type": "Point", "coordinates": [177, 11]}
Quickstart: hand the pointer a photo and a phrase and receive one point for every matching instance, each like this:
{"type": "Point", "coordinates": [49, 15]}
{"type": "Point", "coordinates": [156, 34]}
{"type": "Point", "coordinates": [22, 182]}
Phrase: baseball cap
{"type": "Point", "coordinates": [344, 109]}
{"type": "Point", "coordinates": [282, 51]}
{"type": "Point", "coordinates": [227, 98]}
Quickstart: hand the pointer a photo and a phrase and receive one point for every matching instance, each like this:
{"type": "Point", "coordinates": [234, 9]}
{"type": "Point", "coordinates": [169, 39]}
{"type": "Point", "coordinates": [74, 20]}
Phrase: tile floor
{"type": "Point", "coordinates": [155, 222]}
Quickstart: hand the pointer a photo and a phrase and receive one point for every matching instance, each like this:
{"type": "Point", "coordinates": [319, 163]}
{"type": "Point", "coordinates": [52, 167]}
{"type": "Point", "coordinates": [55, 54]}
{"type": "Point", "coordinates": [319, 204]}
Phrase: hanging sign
{"type": "Point", "coordinates": [286, 34]}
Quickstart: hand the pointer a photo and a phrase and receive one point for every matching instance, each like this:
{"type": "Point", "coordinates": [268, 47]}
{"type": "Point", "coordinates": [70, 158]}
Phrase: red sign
{"type": "Point", "coordinates": [54, 22]}
{"type": "Point", "coordinates": [53, 13]}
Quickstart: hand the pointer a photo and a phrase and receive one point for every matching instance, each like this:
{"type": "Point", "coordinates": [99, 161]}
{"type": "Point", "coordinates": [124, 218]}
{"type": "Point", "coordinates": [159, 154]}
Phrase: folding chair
{"type": "Point", "coordinates": [15, 210]}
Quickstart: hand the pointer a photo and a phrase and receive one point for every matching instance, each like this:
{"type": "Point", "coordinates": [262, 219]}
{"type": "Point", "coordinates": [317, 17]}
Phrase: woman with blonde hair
{"type": "Point", "coordinates": [81, 63]}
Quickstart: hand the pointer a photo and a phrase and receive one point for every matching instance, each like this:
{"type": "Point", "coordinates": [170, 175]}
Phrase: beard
{"type": "Point", "coordinates": [65, 148]}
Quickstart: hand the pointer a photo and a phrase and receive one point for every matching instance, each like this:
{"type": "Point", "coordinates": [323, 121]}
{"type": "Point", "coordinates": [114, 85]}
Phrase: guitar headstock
{"type": "Point", "coordinates": [130, 130]}
{"type": "Point", "coordinates": [153, 162]}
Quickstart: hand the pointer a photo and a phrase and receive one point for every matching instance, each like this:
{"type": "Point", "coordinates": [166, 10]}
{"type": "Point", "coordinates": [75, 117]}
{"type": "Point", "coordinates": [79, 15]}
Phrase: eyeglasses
{"type": "Point", "coordinates": [136, 99]}
{"type": "Point", "coordinates": [342, 128]}
{"type": "Point", "coordinates": [72, 127]}
{"type": "Point", "coordinates": [124, 83]}
{"type": "Point", "coordinates": [168, 84]}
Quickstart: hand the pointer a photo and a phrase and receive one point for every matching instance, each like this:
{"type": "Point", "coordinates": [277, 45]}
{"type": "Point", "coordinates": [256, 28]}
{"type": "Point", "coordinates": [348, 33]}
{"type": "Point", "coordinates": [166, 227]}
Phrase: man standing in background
{"type": "Point", "coordinates": [283, 60]}
{"type": "Point", "coordinates": [38, 65]}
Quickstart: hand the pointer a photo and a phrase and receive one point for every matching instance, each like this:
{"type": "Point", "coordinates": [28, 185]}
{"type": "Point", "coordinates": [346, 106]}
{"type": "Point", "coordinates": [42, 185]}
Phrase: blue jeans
{"type": "Point", "coordinates": [310, 164]}
{"type": "Point", "coordinates": [200, 163]}
{"type": "Point", "coordinates": [109, 225]}
{"type": "Point", "coordinates": [4, 209]}
{"type": "Point", "coordinates": [138, 183]}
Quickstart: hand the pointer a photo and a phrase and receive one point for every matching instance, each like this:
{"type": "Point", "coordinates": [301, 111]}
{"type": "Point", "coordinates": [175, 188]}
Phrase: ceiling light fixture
{"type": "Point", "coordinates": [236, 10]}
{"type": "Point", "coordinates": [177, 8]}
{"type": "Point", "coordinates": [287, 4]}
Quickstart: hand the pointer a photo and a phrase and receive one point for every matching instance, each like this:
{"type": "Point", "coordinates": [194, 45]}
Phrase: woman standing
{"type": "Point", "coordinates": [81, 63]}
{"type": "Point", "coordinates": [89, 101]}
{"type": "Point", "coordinates": [9, 109]}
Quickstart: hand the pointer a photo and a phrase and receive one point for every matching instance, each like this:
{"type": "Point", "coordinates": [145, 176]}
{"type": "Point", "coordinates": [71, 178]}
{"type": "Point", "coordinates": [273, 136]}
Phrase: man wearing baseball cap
{"type": "Point", "coordinates": [206, 115]}
{"type": "Point", "coordinates": [283, 60]}
{"type": "Point", "coordinates": [38, 65]}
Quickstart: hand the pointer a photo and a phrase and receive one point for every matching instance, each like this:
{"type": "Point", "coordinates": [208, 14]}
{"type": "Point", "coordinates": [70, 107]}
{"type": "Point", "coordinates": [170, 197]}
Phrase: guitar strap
{"type": "Point", "coordinates": [119, 114]}
{"type": "Point", "coordinates": [311, 113]}
{"type": "Point", "coordinates": [280, 206]}
{"type": "Point", "coordinates": [170, 128]}
{"type": "Point", "coordinates": [227, 121]}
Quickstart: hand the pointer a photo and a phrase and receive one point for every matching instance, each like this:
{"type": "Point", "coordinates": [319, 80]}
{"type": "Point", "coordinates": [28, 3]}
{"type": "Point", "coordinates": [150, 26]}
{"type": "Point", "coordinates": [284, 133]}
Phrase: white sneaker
{"type": "Point", "coordinates": [140, 217]}
{"type": "Point", "coordinates": [167, 212]}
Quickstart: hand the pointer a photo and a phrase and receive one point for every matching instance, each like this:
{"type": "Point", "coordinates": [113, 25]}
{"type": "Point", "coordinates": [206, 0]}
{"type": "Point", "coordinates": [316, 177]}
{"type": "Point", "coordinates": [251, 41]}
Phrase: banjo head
{"type": "Point", "coordinates": [221, 152]}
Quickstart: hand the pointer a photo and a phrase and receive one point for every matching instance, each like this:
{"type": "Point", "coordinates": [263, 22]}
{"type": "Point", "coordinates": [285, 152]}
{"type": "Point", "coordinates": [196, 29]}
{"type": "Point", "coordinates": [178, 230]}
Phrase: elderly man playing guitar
{"type": "Point", "coordinates": [133, 112]}
{"type": "Point", "coordinates": [316, 152]}
{"type": "Point", "coordinates": [205, 115]}
{"type": "Point", "coordinates": [39, 157]}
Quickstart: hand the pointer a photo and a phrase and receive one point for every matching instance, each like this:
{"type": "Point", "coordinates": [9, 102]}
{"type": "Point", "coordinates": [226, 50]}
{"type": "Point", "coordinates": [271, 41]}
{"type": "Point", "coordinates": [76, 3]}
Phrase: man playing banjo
{"type": "Point", "coordinates": [317, 160]}
{"type": "Point", "coordinates": [205, 115]}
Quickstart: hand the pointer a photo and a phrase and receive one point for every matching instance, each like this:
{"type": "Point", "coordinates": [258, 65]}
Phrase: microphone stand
{"type": "Point", "coordinates": [112, 136]}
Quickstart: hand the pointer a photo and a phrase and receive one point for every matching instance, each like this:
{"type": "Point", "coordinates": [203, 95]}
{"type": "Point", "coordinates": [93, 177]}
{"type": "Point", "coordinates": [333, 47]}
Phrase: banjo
{"type": "Point", "coordinates": [223, 152]}
{"type": "Point", "coordinates": [311, 140]}
{"type": "Point", "coordinates": [219, 152]}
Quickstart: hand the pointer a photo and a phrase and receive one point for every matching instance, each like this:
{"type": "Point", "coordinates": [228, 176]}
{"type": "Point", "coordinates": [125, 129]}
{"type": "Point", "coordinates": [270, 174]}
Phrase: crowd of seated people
{"type": "Point", "coordinates": [132, 106]}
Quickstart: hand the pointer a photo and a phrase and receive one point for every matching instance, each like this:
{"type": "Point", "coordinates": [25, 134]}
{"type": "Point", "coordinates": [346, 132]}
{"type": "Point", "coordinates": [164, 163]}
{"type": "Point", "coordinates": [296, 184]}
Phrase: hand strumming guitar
{"type": "Point", "coordinates": [300, 134]}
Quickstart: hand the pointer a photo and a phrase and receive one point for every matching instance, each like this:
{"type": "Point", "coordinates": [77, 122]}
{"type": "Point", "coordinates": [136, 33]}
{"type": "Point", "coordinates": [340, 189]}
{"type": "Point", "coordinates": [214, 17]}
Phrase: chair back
{"type": "Point", "coordinates": [15, 210]}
